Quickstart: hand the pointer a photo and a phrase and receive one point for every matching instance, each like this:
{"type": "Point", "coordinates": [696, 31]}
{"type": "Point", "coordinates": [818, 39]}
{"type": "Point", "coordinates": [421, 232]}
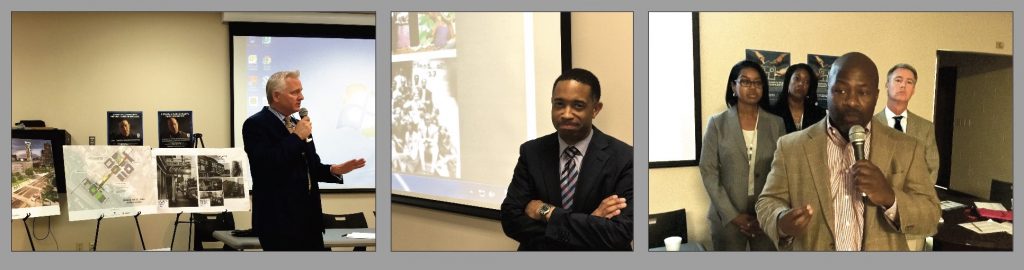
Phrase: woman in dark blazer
{"type": "Point", "coordinates": [735, 158]}
{"type": "Point", "coordinates": [797, 102]}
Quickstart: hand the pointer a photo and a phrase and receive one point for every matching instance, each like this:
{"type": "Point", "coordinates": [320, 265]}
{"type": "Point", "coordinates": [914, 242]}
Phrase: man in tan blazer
{"type": "Point", "coordinates": [900, 84]}
{"type": "Point", "coordinates": [812, 199]}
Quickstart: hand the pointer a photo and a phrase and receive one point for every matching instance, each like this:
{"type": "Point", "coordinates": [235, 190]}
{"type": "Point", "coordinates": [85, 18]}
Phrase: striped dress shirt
{"type": "Point", "coordinates": [846, 201]}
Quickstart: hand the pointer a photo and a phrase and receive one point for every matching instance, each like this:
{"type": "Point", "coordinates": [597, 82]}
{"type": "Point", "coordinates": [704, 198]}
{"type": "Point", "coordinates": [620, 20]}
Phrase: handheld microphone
{"type": "Point", "coordinates": [857, 137]}
{"type": "Point", "coordinates": [303, 112]}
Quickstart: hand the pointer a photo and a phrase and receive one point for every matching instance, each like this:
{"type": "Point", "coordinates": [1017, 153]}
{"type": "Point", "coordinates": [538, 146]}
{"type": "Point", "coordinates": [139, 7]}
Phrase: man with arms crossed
{"type": "Point", "coordinates": [572, 189]}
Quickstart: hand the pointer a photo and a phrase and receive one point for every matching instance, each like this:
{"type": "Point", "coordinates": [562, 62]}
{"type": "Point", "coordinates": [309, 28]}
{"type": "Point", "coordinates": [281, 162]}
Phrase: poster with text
{"type": "Point", "coordinates": [33, 192]}
{"type": "Point", "coordinates": [775, 65]}
{"type": "Point", "coordinates": [821, 64]}
{"type": "Point", "coordinates": [175, 129]}
{"type": "Point", "coordinates": [124, 128]}
{"type": "Point", "coordinates": [111, 181]}
{"type": "Point", "coordinates": [202, 180]}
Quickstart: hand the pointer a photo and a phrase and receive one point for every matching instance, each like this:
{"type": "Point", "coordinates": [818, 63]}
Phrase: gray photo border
{"type": "Point", "coordinates": [383, 258]}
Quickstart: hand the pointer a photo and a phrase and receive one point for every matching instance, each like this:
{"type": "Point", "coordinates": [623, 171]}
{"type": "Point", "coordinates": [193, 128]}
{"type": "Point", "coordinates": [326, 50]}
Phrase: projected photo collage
{"type": "Point", "coordinates": [425, 113]}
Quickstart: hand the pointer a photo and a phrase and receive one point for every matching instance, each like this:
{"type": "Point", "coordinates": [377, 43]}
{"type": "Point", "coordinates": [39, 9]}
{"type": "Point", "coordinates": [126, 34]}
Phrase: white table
{"type": "Point", "coordinates": [332, 238]}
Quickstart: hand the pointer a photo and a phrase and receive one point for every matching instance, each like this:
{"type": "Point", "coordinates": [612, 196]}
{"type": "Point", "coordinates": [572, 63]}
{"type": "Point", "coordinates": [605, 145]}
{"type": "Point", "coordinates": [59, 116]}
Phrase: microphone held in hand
{"type": "Point", "coordinates": [857, 137]}
{"type": "Point", "coordinates": [303, 112]}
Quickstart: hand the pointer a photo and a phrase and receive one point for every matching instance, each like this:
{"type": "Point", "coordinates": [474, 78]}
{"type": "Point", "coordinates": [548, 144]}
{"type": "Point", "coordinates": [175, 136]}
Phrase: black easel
{"type": "Point", "coordinates": [95, 239]}
{"type": "Point", "coordinates": [177, 220]}
{"type": "Point", "coordinates": [140, 230]}
{"type": "Point", "coordinates": [27, 232]}
{"type": "Point", "coordinates": [197, 141]}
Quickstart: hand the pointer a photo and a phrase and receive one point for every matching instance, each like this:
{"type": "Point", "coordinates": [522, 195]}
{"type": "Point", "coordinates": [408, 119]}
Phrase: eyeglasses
{"type": "Point", "coordinates": [749, 83]}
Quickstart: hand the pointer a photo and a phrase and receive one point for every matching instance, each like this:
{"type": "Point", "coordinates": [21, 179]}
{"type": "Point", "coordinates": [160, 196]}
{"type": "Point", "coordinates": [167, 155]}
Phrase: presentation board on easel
{"type": "Point", "coordinates": [33, 192]}
{"type": "Point", "coordinates": [202, 179]}
{"type": "Point", "coordinates": [117, 181]}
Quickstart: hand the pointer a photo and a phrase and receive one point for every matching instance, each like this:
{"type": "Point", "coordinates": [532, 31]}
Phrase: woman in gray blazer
{"type": "Point", "coordinates": [736, 155]}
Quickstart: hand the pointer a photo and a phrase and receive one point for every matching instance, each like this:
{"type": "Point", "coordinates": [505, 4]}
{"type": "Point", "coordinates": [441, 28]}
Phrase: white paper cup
{"type": "Point", "coordinates": [672, 243]}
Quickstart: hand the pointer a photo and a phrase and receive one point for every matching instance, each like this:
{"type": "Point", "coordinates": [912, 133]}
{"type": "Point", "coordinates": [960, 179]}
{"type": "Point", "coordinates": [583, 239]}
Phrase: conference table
{"type": "Point", "coordinates": [332, 238]}
{"type": "Point", "coordinates": [952, 237]}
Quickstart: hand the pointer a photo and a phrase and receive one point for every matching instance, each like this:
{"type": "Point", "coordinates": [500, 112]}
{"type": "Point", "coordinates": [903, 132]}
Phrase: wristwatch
{"type": "Point", "coordinates": [544, 210]}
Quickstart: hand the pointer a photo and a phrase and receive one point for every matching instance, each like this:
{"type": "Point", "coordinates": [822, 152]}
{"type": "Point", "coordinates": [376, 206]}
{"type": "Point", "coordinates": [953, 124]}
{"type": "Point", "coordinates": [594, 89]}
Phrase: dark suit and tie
{"type": "Point", "coordinates": [607, 169]}
{"type": "Point", "coordinates": [287, 213]}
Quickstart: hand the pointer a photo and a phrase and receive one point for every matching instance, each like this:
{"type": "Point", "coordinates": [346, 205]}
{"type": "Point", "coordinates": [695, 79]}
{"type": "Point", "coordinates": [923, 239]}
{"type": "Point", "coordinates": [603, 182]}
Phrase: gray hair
{"type": "Point", "coordinates": [899, 66]}
{"type": "Point", "coordinates": [276, 82]}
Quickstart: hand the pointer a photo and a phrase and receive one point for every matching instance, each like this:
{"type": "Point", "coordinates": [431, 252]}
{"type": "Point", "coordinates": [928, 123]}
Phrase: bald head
{"type": "Point", "coordinates": [853, 91]}
{"type": "Point", "coordinates": [853, 62]}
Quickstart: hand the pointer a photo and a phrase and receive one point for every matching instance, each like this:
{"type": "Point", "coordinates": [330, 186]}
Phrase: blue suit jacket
{"type": "Point", "coordinates": [286, 213]}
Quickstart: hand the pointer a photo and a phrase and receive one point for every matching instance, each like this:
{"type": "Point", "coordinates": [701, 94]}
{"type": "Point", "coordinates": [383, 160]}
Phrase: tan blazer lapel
{"type": "Point", "coordinates": [918, 126]}
{"type": "Point", "coordinates": [816, 156]}
{"type": "Point", "coordinates": [881, 155]}
{"type": "Point", "coordinates": [881, 147]}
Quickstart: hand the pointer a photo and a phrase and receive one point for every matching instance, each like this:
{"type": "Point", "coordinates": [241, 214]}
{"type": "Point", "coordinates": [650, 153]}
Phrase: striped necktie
{"type": "Point", "coordinates": [289, 124]}
{"type": "Point", "coordinates": [570, 174]}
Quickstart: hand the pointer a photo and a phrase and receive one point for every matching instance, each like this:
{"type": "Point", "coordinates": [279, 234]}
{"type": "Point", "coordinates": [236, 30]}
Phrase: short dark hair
{"type": "Point", "coordinates": [583, 76]}
{"type": "Point", "coordinates": [731, 99]}
{"type": "Point", "coordinates": [899, 66]}
{"type": "Point", "coordinates": [812, 87]}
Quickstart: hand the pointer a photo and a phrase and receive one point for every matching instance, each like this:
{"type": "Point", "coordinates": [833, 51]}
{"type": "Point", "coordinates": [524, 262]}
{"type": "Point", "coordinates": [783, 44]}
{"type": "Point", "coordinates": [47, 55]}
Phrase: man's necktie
{"type": "Point", "coordinates": [570, 174]}
{"type": "Point", "coordinates": [898, 126]}
{"type": "Point", "coordinates": [289, 124]}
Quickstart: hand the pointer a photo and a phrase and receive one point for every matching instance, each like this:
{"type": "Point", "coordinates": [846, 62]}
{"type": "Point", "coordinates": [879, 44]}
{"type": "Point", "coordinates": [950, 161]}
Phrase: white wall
{"type": "Point", "coordinates": [69, 68]}
{"type": "Point", "coordinates": [888, 38]}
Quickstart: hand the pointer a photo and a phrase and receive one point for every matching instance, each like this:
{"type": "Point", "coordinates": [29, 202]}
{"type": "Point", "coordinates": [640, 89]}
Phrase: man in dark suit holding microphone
{"type": "Point", "coordinates": [833, 187]}
{"type": "Point", "coordinates": [572, 189]}
{"type": "Point", "coordinates": [287, 214]}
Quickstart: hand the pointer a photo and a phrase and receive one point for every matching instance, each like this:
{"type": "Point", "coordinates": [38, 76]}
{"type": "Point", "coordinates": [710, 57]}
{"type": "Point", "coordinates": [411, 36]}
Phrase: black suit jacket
{"type": "Point", "coordinates": [607, 169]}
{"type": "Point", "coordinates": [812, 115]}
{"type": "Point", "coordinates": [286, 213]}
